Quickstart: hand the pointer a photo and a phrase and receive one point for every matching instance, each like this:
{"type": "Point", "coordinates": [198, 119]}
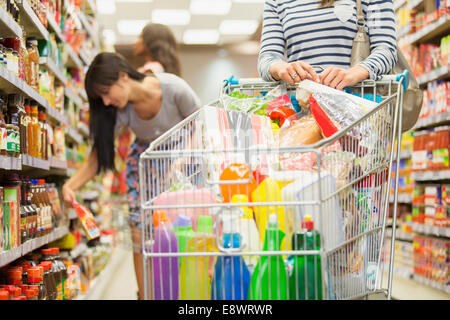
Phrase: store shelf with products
{"type": "Point", "coordinates": [33, 244]}
{"type": "Point", "coordinates": [439, 27]}
{"type": "Point", "coordinates": [73, 135]}
{"type": "Point", "coordinates": [33, 162]}
{"type": "Point", "coordinates": [432, 230]}
{"type": "Point", "coordinates": [51, 66]}
{"type": "Point", "coordinates": [55, 28]}
{"type": "Point", "coordinates": [10, 163]}
{"type": "Point", "coordinates": [30, 21]}
{"type": "Point", "coordinates": [57, 163]}
{"type": "Point", "coordinates": [437, 175]}
{"type": "Point", "coordinates": [9, 27]}
{"type": "Point", "coordinates": [73, 96]}
{"type": "Point", "coordinates": [437, 74]}
{"type": "Point", "coordinates": [83, 129]}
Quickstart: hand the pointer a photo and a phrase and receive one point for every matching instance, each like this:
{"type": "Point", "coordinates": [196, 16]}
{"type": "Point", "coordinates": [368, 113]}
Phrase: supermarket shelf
{"type": "Point", "coordinates": [403, 31]}
{"type": "Point", "coordinates": [13, 254]}
{"type": "Point", "coordinates": [433, 284]}
{"type": "Point", "coordinates": [73, 96]}
{"type": "Point", "coordinates": [437, 74]}
{"type": "Point", "coordinates": [433, 121]}
{"type": "Point", "coordinates": [398, 4]}
{"type": "Point", "coordinates": [84, 57]}
{"type": "Point", "coordinates": [90, 195]}
{"type": "Point", "coordinates": [399, 235]}
{"type": "Point", "coordinates": [98, 284]}
{"type": "Point", "coordinates": [431, 175]}
{"type": "Point", "coordinates": [405, 154]}
{"type": "Point", "coordinates": [58, 116]}
{"type": "Point", "coordinates": [431, 230]}
{"type": "Point", "coordinates": [74, 60]}
{"type": "Point", "coordinates": [9, 163]}
{"type": "Point", "coordinates": [8, 27]}
{"type": "Point", "coordinates": [89, 29]}
{"type": "Point", "coordinates": [83, 129]}
{"type": "Point", "coordinates": [10, 82]}
{"type": "Point", "coordinates": [73, 135]}
{"type": "Point", "coordinates": [53, 68]}
{"type": "Point", "coordinates": [83, 94]}
{"type": "Point", "coordinates": [78, 250]}
{"type": "Point", "coordinates": [54, 26]}
{"type": "Point", "coordinates": [402, 198]}
{"type": "Point", "coordinates": [72, 214]}
{"type": "Point", "coordinates": [30, 21]}
{"type": "Point", "coordinates": [410, 289]}
{"type": "Point", "coordinates": [32, 162]}
{"type": "Point", "coordinates": [439, 27]}
{"type": "Point", "coordinates": [57, 163]}
{"type": "Point", "coordinates": [413, 4]}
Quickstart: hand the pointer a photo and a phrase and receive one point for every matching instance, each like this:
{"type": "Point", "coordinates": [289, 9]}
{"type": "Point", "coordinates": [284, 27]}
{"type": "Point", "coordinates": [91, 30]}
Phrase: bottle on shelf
{"type": "Point", "coordinates": [269, 280]}
{"type": "Point", "coordinates": [44, 133]}
{"type": "Point", "coordinates": [28, 121]}
{"type": "Point", "coordinates": [35, 279]}
{"type": "Point", "coordinates": [49, 255]}
{"type": "Point", "coordinates": [36, 129]}
{"type": "Point", "coordinates": [305, 282]}
{"type": "Point", "coordinates": [3, 130]}
{"type": "Point", "coordinates": [49, 280]}
{"type": "Point", "coordinates": [231, 277]}
{"type": "Point", "coordinates": [14, 120]}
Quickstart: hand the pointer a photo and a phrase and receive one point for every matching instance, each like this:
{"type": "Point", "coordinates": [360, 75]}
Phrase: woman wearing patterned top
{"type": "Point", "coordinates": [320, 33]}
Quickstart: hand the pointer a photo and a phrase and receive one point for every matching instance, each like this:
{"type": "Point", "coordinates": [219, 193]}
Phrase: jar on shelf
{"type": "Point", "coordinates": [10, 142]}
{"type": "Point", "coordinates": [9, 59]}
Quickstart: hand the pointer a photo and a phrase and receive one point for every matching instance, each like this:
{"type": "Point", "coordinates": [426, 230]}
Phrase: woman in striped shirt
{"type": "Point", "coordinates": [320, 33]}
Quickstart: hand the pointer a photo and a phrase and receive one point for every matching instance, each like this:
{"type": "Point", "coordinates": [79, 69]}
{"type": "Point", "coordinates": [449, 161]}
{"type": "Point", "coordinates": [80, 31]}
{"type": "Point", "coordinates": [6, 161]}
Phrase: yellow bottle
{"type": "Point", "coordinates": [269, 191]}
{"type": "Point", "coordinates": [249, 232]}
{"type": "Point", "coordinates": [196, 271]}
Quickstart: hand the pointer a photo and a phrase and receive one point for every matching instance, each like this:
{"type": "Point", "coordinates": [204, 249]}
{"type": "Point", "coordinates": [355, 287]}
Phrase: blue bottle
{"type": "Point", "coordinates": [231, 277]}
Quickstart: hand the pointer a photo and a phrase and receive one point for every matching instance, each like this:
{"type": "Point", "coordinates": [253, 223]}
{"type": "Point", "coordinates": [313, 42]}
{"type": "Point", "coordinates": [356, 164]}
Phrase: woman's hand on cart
{"type": "Point", "coordinates": [293, 72]}
{"type": "Point", "coordinates": [339, 78]}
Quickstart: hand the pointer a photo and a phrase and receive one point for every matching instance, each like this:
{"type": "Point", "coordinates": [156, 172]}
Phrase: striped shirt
{"type": "Point", "coordinates": [295, 30]}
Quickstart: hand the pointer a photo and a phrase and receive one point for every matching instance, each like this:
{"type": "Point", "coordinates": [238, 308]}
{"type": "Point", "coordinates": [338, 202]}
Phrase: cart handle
{"type": "Point", "coordinates": [391, 77]}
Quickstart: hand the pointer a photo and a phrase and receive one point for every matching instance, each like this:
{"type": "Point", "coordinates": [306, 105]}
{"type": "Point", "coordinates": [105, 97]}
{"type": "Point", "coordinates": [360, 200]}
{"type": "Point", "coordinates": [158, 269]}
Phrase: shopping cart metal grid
{"type": "Point", "coordinates": [347, 197]}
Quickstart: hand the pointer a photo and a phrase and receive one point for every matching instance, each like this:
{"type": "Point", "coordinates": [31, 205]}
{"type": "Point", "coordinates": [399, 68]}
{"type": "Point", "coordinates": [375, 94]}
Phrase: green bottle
{"type": "Point", "coordinates": [305, 282]}
{"type": "Point", "coordinates": [183, 232]}
{"type": "Point", "coordinates": [269, 279]}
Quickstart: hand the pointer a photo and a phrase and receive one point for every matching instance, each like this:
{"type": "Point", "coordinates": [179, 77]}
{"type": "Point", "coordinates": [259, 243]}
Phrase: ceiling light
{"type": "Point", "coordinates": [201, 36]}
{"type": "Point", "coordinates": [131, 27]}
{"type": "Point", "coordinates": [216, 7]}
{"type": "Point", "coordinates": [171, 17]}
{"type": "Point", "coordinates": [237, 27]}
{"type": "Point", "coordinates": [106, 7]}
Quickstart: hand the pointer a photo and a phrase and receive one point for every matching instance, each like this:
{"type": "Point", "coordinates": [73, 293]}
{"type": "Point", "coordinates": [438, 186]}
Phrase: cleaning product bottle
{"type": "Point", "coordinates": [249, 232]}
{"type": "Point", "coordinates": [305, 282]}
{"type": "Point", "coordinates": [269, 191]}
{"type": "Point", "coordinates": [195, 278]}
{"type": "Point", "coordinates": [165, 269]}
{"type": "Point", "coordinates": [269, 280]}
{"type": "Point", "coordinates": [231, 277]}
{"type": "Point", "coordinates": [183, 232]}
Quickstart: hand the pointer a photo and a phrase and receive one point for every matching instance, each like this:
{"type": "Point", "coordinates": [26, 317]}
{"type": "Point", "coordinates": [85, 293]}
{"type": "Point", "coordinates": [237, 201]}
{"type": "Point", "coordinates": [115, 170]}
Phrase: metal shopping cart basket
{"type": "Point", "coordinates": [215, 250]}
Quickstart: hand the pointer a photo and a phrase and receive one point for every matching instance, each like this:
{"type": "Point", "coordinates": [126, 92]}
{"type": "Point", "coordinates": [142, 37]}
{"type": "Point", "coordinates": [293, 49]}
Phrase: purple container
{"type": "Point", "coordinates": [165, 269]}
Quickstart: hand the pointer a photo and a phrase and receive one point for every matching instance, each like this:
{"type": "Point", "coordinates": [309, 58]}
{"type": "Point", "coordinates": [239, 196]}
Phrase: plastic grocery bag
{"type": "Point", "coordinates": [87, 220]}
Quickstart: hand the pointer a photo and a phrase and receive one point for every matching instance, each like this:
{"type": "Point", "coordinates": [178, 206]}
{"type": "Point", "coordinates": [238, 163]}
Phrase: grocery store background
{"type": "Point", "coordinates": [217, 39]}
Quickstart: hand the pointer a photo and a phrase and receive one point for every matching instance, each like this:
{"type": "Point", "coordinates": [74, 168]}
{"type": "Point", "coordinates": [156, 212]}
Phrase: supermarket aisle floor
{"type": "Point", "coordinates": [122, 284]}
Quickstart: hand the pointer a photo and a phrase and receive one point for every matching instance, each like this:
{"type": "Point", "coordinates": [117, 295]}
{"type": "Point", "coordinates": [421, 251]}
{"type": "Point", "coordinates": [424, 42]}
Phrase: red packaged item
{"type": "Point", "coordinates": [282, 101]}
{"type": "Point", "coordinates": [87, 220]}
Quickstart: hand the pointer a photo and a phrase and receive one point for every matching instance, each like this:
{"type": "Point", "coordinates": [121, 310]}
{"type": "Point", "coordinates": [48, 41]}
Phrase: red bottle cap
{"type": "Point", "coordinates": [41, 181]}
{"type": "Point", "coordinates": [35, 289]}
{"type": "Point", "coordinates": [47, 251]}
{"type": "Point", "coordinates": [23, 287]}
{"type": "Point", "coordinates": [27, 109]}
{"type": "Point", "coordinates": [18, 291]}
{"type": "Point", "coordinates": [307, 224]}
{"type": "Point", "coordinates": [4, 295]}
{"type": "Point", "coordinates": [29, 293]}
{"type": "Point", "coordinates": [11, 290]}
{"type": "Point", "coordinates": [14, 274]}
{"type": "Point", "coordinates": [47, 265]}
{"type": "Point", "coordinates": [55, 250]}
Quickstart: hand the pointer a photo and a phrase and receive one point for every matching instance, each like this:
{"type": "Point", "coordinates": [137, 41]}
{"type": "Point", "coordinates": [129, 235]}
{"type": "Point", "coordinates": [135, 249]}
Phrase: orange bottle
{"type": "Point", "coordinates": [36, 130]}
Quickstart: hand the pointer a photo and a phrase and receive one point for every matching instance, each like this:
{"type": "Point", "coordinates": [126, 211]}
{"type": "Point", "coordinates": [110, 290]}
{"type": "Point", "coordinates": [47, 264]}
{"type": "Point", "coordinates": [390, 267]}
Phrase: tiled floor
{"type": "Point", "coordinates": [122, 284]}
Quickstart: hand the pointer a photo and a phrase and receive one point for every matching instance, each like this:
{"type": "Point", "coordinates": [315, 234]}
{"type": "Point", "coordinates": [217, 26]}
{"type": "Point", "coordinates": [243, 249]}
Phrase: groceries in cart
{"type": "Point", "coordinates": [279, 180]}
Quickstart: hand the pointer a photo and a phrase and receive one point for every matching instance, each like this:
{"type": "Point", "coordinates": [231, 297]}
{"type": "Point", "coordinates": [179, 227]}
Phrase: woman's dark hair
{"type": "Point", "coordinates": [102, 73]}
{"type": "Point", "coordinates": [160, 42]}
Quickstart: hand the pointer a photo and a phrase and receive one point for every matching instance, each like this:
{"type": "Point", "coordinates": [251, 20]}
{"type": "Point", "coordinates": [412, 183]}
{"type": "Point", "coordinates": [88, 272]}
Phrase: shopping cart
{"type": "Point", "coordinates": [347, 198]}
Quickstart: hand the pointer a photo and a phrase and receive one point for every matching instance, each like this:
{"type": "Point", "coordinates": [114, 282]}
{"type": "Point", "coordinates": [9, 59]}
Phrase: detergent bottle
{"type": "Point", "coordinates": [195, 277]}
{"type": "Point", "coordinates": [183, 232]}
{"type": "Point", "coordinates": [249, 232]}
{"type": "Point", "coordinates": [165, 269]}
{"type": "Point", "coordinates": [231, 277]}
{"type": "Point", "coordinates": [305, 282]}
{"type": "Point", "coordinates": [269, 280]}
{"type": "Point", "coordinates": [269, 191]}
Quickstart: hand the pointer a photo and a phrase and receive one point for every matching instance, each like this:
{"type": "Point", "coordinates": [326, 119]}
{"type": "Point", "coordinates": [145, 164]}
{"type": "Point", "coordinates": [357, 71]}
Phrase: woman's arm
{"type": "Point", "coordinates": [87, 171]}
{"type": "Point", "coordinates": [272, 41]}
{"type": "Point", "coordinates": [380, 22]}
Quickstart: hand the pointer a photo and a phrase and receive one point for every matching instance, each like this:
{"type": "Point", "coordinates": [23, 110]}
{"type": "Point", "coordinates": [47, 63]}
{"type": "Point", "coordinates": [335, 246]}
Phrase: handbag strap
{"type": "Point", "coordinates": [360, 21]}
